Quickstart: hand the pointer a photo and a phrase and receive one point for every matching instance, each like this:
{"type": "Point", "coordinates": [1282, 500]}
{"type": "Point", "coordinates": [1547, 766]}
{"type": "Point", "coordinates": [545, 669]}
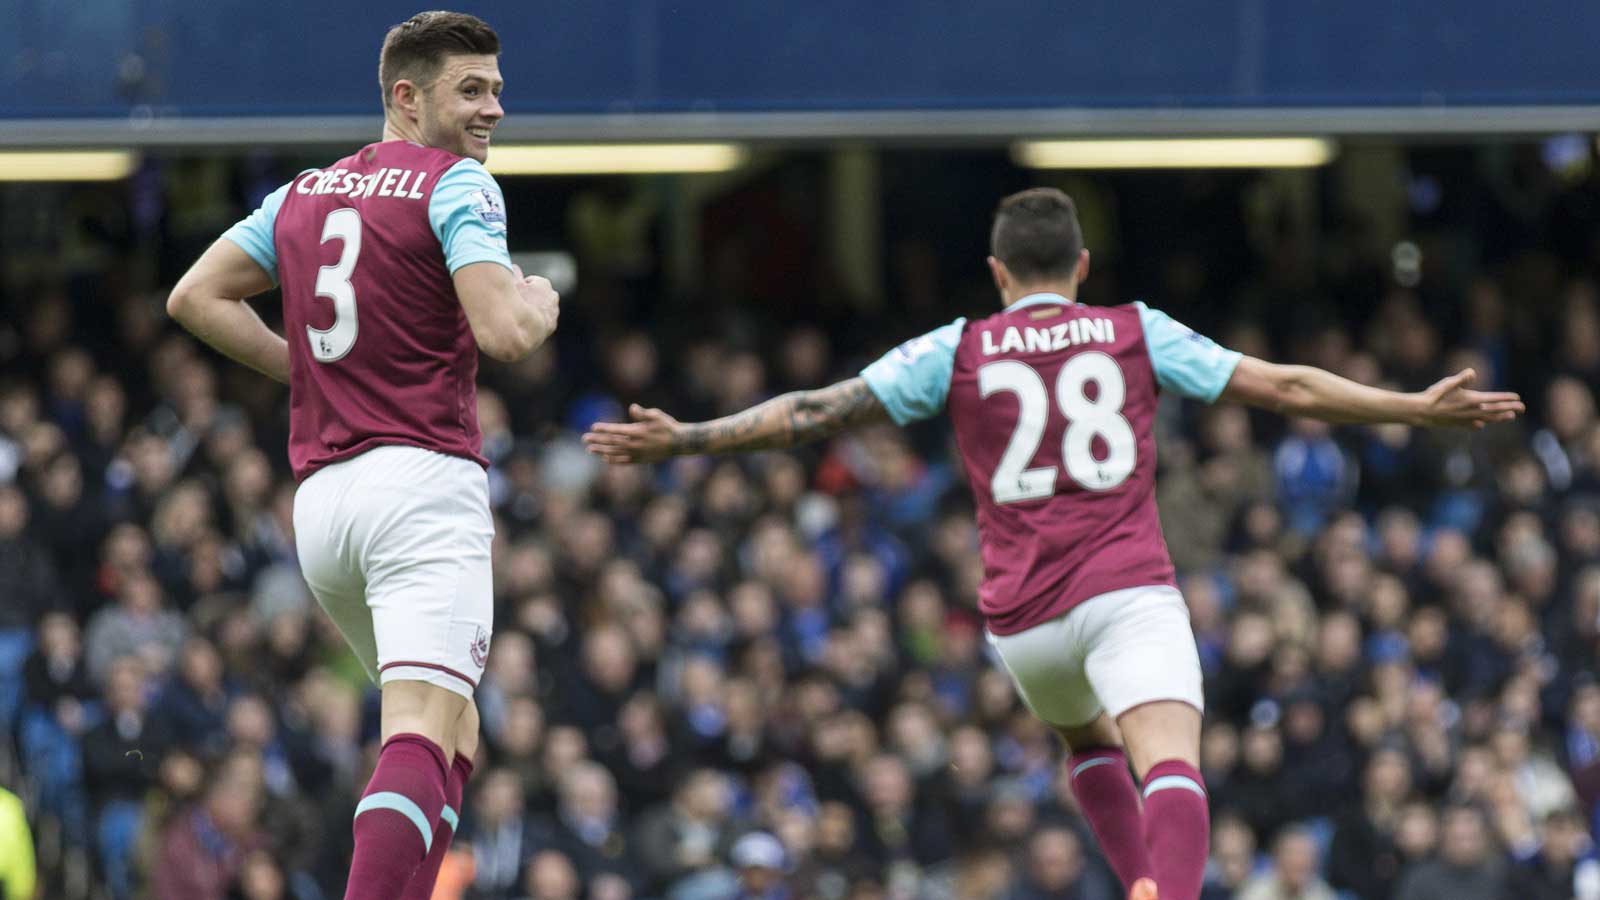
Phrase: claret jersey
{"type": "Point", "coordinates": [1053, 405]}
{"type": "Point", "coordinates": [380, 351]}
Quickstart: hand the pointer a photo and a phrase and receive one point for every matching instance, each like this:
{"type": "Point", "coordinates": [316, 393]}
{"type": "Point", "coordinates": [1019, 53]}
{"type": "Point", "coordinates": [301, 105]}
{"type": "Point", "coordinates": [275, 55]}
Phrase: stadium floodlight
{"type": "Point", "coordinates": [614, 159]}
{"type": "Point", "coordinates": [1176, 153]}
{"type": "Point", "coordinates": [67, 165]}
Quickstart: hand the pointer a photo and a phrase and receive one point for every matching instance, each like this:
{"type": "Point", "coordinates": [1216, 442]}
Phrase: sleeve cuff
{"type": "Point", "coordinates": [254, 253]}
{"type": "Point", "coordinates": [1227, 375]}
{"type": "Point", "coordinates": [897, 414]}
{"type": "Point", "coordinates": [470, 258]}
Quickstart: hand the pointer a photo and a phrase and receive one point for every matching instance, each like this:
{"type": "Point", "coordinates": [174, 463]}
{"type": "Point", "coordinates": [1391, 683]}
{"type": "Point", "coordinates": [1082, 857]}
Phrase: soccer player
{"type": "Point", "coordinates": [1053, 405]}
{"type": "Point", "coordinates": [395, 274]}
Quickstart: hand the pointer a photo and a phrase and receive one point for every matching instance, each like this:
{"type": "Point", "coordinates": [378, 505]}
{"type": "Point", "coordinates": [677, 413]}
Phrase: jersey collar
{"type": "Point", "coordinates": [1036, 299]}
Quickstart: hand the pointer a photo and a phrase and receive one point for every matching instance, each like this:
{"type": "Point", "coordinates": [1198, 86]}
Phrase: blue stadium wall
{"type": "Point", "coordinates": [107, 58]}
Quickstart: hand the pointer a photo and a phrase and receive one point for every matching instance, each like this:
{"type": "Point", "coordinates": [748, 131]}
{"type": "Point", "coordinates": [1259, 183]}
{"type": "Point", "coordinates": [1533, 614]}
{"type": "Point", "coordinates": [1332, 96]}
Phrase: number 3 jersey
{"type": "Point", "coordinates": [380, 351]}
{"type": "Point", "coordinates": [1054, 406]}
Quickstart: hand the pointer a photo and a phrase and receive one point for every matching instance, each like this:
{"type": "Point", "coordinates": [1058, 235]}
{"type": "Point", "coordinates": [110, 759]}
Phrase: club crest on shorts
{"type": "Point", "coordinates": [480, 647]}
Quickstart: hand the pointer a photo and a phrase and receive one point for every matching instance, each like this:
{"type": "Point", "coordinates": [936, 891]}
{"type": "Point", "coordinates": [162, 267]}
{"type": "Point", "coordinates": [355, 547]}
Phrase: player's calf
{"type": "Point", "coordinates": [1104, 789]}
{"type": "Point", "coordinates": [1164, 740]}
{"type": "Point", "coordinates": [397, 817]}
{"type": "Point", "coordinates": [399, 814]}
{"type": "Point", "coordinates": [420, 887]}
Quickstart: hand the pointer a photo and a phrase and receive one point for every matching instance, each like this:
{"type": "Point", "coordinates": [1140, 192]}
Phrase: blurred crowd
{"type": "Point", "coordinates": [764, 677]}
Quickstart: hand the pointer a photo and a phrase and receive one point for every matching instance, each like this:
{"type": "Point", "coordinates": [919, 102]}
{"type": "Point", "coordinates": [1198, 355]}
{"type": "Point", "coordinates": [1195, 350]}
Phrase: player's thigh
{"type": "Point", "coordinates": [427, 566]}
{"type": "Point", "coordinates": [1046, 665]}
{"type": "Point", "coordinates": [322, 543]}
{"type": "Point", "coordinates": [1142, 654]}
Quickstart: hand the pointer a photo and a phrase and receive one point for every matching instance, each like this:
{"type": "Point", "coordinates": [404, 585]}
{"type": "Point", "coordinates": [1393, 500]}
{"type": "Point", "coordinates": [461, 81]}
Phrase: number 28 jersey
{"type": "Point", "coordinates": [380, 351]}
{"type": "Point", "coordinates": [1053, 405]}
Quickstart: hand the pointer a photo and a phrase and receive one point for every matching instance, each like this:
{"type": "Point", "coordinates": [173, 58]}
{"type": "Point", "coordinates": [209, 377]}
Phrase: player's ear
{"type": "Point", "coordinates": [1083, 264]}
{"type": "Point", "coordinates": [404, 95]}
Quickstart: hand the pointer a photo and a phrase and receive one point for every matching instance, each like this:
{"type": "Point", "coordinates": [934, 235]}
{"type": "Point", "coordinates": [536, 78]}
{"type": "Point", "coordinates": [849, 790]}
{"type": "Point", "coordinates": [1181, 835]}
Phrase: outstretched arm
{"type": "Point", "coordinates": [786, 421]}
{"type": "Point", "coordinates": [209, 301]}
{"type": "Point", "coordinates": [1320, 394]}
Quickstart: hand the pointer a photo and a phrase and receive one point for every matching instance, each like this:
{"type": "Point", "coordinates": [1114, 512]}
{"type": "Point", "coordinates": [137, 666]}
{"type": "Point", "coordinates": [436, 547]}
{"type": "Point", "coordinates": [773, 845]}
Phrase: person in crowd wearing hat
{"type": "Point", "coordinates": [760, 859]}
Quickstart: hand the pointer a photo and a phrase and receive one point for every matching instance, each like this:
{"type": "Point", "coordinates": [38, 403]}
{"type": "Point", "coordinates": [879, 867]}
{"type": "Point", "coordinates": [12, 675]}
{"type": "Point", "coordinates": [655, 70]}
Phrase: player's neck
{"type": "Point", "coordinates": [400, 131]}
{"type": "Point", "coordinates": [1067, 289]}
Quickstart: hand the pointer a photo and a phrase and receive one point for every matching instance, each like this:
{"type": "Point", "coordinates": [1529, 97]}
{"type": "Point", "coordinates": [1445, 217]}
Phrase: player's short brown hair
{"type": "Point", "coordinates": [415, 49]}
{"type": "Point", "coordinates": [1036, 234]}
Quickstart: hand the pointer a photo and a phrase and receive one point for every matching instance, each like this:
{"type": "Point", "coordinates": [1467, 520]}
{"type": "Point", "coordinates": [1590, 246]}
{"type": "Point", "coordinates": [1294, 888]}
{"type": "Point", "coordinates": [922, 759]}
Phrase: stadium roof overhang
{"type": "Point", "coordinates": [922, 126]}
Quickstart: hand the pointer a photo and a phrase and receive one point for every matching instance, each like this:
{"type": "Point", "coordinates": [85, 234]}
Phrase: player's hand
{"type": "Point", "coordinates": [1451, 401]}
{"type": "Point", "coordinates": [542, 300]}
{"type": "Point", "coordinates": [651, 436]}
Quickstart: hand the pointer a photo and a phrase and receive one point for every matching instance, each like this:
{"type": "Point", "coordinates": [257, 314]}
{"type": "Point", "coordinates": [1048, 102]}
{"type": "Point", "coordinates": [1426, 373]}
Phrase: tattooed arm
{"type": "Point", "coordinates": [786, 421]}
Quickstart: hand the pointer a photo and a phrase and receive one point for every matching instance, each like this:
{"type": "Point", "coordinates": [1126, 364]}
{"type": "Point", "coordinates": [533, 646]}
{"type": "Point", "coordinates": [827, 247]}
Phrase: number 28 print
{"type": "Point", "coordinates": [1013, 482]}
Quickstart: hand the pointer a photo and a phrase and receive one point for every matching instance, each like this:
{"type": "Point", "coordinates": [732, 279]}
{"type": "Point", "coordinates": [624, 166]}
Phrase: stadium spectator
{"type": "Point", "coordinates": [1293, 873]}
{"type": "Point", "coordinates": [1364, 857]}
{"type": "Point", "coordinates": [691, 833]}
{"type": "Point", "coordinates": [193, 704]}
{"type": "Point", "coordinates": [551, 876]}
{"type": "Point", "coordinates": [120, 759]}
{"type": "Point", "coordinates": [1553, 872]}
{"type": "Point", "coordinates": [137, 626]}
{"type": "Point", "coordinates": [1469, 866]}
{"type": "Point", "coordinates": [1313, 475]}
{"type": "Point", "coordinates": [760, 860]}
{"type": "Point", "coordinates": [29, 583]}
{"type": "Point", "coordinates": [207, 846]}
{"type": "Point", "coordinates": [259, 878]}
{"type": "Point", "coordinates": [1233, 851]}
{"type": "Point", "coordinates": [588, 827]}
{"type": "Point", "coordinates": [1055, 869]}
{"type": "Point", "coordinates": [59, 707]}
{"type": "Point", "coordinates": [497, 830]}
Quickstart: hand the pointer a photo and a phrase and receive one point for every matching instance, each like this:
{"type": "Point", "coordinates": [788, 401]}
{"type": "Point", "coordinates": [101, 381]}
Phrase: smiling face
{"type": "Point", "coordinates": [441, 82]}
{"type": "Point", "coordinates": [460, 108]}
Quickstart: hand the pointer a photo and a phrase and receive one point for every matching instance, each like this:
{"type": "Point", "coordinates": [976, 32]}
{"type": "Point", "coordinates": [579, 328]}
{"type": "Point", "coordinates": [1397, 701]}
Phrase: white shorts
{"type": "Point", "coordinates": [395, 545]}
{"type": "Point", "coordinates": [1110, 653]}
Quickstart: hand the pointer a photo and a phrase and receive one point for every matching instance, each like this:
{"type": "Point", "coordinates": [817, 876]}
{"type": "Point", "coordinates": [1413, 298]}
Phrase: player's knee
{"type": "Point", "coordinates": [1161, 730]}
{"type": "Point", "coordinates": [1100, 733]}
{"type": "Point", "coordinates": [466, 736]}
{"type": "Point", "coordinates": [416, 707]}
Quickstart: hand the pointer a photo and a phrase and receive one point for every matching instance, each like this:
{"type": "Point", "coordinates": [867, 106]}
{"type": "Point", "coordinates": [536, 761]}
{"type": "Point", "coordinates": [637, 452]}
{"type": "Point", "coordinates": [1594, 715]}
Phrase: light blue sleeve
{"type": "Point", "coordinates": [468, 215]}
{"type": "Point", "coordinates": [253, 233]}
{"type": "Point", "coordinates": [1186, 362]}
{"type": "Point", "coordinates": [913, 380]}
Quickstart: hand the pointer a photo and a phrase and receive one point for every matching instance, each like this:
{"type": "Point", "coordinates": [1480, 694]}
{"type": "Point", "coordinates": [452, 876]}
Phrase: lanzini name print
{"type": "Point", "coordinates": [1056, 337]}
